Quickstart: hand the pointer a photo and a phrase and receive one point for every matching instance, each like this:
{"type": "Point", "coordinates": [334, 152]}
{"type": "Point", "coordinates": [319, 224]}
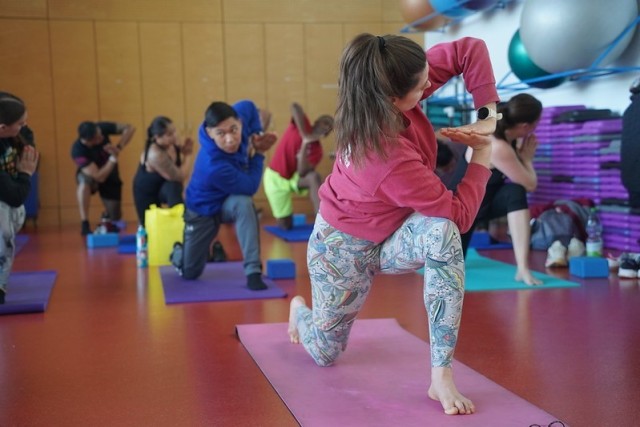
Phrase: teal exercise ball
{"type": "Point", "coordinates": [524, 68]}
{"type": "Point", "coordinates": [563, 35]}
{"type": "Point", "coordinates": [450, 9]}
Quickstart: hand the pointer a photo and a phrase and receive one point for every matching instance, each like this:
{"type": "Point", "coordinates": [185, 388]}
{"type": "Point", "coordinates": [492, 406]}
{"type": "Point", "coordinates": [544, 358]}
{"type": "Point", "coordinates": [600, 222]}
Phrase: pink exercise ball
{"type": "Point", "coordinates": [412, 10]}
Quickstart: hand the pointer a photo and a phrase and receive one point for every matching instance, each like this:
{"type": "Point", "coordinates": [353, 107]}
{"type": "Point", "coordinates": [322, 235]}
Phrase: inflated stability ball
{"type": "Point", "coordinates": [450, 8]}
{"type": "Point", "coordinates": [479, 4]}
{"type": "Point", "coordinates": [524, 68]}
{"type": "Point", "coordinates": [412, 10]}
{"type": "Point", "coordinates": [571, 34]}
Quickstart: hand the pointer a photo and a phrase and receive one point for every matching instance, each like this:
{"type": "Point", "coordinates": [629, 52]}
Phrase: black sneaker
{"type": "Point", "coordinates": [217, 253]}
{"type": "Point", "coordinates": [2, 295]}
{"type": "Point", "coordinates": [629, 265]}
{"type": "Point", "coordinates": [255, 283]}
{"type": "Point", "coordinates": [85, 228]}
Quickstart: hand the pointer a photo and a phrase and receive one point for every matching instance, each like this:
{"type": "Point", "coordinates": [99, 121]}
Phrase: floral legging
{"type": "Point", "coordinates": [11, 220]}
{"type": "Point", "coordinates": [342, 267]}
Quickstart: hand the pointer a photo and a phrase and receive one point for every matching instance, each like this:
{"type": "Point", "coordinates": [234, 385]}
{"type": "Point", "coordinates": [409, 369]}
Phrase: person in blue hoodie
{"type": "Point", "coordinates": [226, 174]}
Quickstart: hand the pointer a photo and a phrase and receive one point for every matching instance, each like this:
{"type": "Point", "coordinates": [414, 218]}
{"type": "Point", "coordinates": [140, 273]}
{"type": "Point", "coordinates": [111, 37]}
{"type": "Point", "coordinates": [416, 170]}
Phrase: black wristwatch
{"type": "Point", "coordinates": [485, 113]}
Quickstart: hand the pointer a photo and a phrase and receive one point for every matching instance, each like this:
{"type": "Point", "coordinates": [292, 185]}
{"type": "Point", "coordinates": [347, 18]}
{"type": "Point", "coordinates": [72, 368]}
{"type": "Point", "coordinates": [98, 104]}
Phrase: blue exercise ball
{"type": "Point", "coordinates": [524, 68]}
{"type": "Point", "coordinates": [450, 9]}
{"type": "Point", "coordinates": [571, 34]}
{"type": "Point", "coordinates": [480, 4]}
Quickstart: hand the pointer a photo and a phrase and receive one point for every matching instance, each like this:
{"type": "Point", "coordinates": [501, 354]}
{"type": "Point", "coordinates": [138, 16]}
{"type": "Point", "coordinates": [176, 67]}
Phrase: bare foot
{"type": "Point", "coordinates": [296, 302]}
{"type": "Point", "coordinates": [526, 277]}
{"type": "Point", "coordinates": [444, 391]}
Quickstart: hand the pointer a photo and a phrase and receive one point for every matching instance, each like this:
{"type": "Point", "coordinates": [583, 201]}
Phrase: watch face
{"type": "Point", "coordinates": [483, 113]}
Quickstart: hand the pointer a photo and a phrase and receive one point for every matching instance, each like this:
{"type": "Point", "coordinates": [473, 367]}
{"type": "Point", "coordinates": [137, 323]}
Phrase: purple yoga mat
{"type": "Point", "coordinates": [220, 281]}
{"type": "Point", "coordinates": [28, 292]}
{"type": "Point", "coordinates": [381, 380]}
{"type": "Point", "coordinates": [21, 241]}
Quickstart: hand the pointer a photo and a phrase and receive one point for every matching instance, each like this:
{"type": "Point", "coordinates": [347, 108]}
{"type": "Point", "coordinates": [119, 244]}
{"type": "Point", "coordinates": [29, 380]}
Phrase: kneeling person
{"type": "Point", "coordinates": [226, 174]}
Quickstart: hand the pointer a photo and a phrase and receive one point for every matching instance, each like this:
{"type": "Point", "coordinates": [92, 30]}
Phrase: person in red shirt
{"type": "Point", "coordinates": [383, 209]}
{"type": "Point", "coordinates": [292, 169]}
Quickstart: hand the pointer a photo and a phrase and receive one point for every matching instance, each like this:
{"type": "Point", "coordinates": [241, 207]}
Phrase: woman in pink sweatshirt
{"type": "Point", "coordinates": [383, 209]}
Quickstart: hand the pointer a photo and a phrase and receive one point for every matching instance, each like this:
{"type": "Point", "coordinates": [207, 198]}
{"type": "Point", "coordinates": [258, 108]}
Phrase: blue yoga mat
{"type": "Point", "coordinates": [299, 233]}
{"type": "Point", "coordinates": [220, 281]}
{"type": "Point", "coordinates": [28, 292]}
{"type": "Point", "coordinates": [485, 274]}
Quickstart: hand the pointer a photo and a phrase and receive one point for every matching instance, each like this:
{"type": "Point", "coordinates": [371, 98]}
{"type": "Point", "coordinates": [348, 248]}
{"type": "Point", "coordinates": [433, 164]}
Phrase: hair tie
{"type": "Point", "coordinates": [381, 43]}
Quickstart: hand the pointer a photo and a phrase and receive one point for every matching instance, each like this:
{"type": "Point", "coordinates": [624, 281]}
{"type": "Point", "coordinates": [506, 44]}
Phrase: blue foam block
{"type": "Point", "coordinates": [281, 269]}
{"type": "Point", "coordinates": [587, 267]}
{"type": "Point", "coordinates": [299, 219]}
{"type": "Point", "coordinates": [102, 240]}
{"type": "Point", "coordinates": [483, 240]}
{"type": "Point", "coordinates": [480, 238]}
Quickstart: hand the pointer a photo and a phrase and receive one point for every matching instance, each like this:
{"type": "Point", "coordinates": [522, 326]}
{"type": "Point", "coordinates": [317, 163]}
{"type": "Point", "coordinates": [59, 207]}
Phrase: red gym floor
{"type": "Point", "coordinates": [109, 352]}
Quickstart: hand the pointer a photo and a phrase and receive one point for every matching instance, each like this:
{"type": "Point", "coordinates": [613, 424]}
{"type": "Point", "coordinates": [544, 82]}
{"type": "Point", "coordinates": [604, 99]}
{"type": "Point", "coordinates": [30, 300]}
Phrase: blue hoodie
{"type": "Point", "coordinates": [217, 175]}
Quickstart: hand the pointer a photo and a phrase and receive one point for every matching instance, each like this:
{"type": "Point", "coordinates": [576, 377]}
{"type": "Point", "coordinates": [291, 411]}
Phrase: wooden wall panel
{"type": "Point", "coordinates": [245, 69]}
{"type": "Point", "coordinates": [309, 11]}
{"type": "Point", "coordinates": [204, 75]}
{"type": "Point", "coordinates": [23, 8]}
{"type": "Point", "coordinates": [162, 76]}
{"type": "Point", "coordinates": [75, 89]}
{"type": "Point", "coordinates": [120, 93]}
{"type": "Point", "coordinates": [26, 72]}
{"type": "Point", "coordinates": [137, 10]}
{"type": "Point", "coordinates": [324, 44]}
{"type": "Point", "coordinates": [129, 60]}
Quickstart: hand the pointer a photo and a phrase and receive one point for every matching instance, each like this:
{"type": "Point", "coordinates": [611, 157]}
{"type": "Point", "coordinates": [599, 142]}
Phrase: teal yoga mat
{"type": "Point", "coordinates": [485, 274]}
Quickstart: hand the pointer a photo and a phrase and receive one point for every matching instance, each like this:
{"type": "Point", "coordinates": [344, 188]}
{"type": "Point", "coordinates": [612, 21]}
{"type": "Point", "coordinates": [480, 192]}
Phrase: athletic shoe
{"type": "Point", "coordinates": [575, 248]}
{"type": "Point", "coordinates": [556, 255]}
{"type": "Point", "coordinates": [85, 228]}
{"type": "Point", "coordinates": [176, 257]}
{"type": "Point", "coordinates": [217, 253]}
{"type": "Point", "coordinates": [2, 294]}
{"type": "Point", "coordinates": [629, 265]}
{"type": "Point", "coordinates": [613, 261]}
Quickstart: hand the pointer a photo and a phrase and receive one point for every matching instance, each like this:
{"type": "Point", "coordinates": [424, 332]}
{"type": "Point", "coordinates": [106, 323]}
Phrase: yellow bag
{"type": "Point", "coordinates": [165, 226]}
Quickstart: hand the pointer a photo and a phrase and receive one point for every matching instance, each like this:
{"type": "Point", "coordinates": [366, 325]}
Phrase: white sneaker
{"type": "Point", "coordinates": [576, 248]}
{"type": "Point", "coordinates": [556, 255]}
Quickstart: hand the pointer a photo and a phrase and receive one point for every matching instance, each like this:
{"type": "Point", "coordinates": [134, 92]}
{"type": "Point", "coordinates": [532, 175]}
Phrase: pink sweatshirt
{"type": "Point", "coordinates": [373, 201]}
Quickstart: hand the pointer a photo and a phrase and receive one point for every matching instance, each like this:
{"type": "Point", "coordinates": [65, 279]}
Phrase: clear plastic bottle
{"type": "Point", "coordinates": [594, 234]}
{"type": "Point", "coordinates": [141, 247]}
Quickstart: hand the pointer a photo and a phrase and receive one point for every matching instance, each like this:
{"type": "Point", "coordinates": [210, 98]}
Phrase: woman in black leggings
{"type": "Point", "coordinates": [163, 167]}
{"type": "Point", "coordinates": [512, 176]}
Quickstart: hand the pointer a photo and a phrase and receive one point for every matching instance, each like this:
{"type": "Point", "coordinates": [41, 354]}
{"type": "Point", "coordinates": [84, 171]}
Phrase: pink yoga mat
{"type": "Point", "coordinates": [381, 380]}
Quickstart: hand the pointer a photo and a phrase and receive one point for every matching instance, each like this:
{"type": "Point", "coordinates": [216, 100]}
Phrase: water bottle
{"type": "Point", "coordinates": [594, 234]}
{"type": "Point", "coordinates": [141, 247]}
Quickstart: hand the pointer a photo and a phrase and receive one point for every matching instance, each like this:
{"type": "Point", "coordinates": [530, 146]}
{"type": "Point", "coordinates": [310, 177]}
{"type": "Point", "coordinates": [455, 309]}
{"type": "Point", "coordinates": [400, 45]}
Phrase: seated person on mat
{"type": "Point", "coordinates": [383, 209]}
{"type": "Point", "coordinates": [18, 161]}
{"type": "Point", "coordinates": [226, 174]}
{"type": "Point", "coordinates": [97, 162]}
{"type": "Point", "coordinates": [164, 166]}
{"type": "Point", "coordinates": [293, 166]}
{"type": "Point", "coordinates": [514, 146]}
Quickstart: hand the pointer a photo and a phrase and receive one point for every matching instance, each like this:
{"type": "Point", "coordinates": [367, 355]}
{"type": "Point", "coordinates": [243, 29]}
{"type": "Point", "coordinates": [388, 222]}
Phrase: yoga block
{"type": "Point", "coordinates": [102, 240]}
{"type": "Point", "coordinates": [587, 267]}
{"type": "Point", "coordinates": [480, 238]}
{"type": "Point", "coordinates": [299, 219]}
{"type": "Point", "coordinates": [281, 269]}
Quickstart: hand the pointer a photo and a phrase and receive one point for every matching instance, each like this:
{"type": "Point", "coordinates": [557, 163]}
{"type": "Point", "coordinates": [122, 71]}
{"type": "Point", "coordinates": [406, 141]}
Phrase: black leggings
{"type": "Point", "coordinates": [169, 193]}
{"type": "Point", "coordinates": [498, 201]}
